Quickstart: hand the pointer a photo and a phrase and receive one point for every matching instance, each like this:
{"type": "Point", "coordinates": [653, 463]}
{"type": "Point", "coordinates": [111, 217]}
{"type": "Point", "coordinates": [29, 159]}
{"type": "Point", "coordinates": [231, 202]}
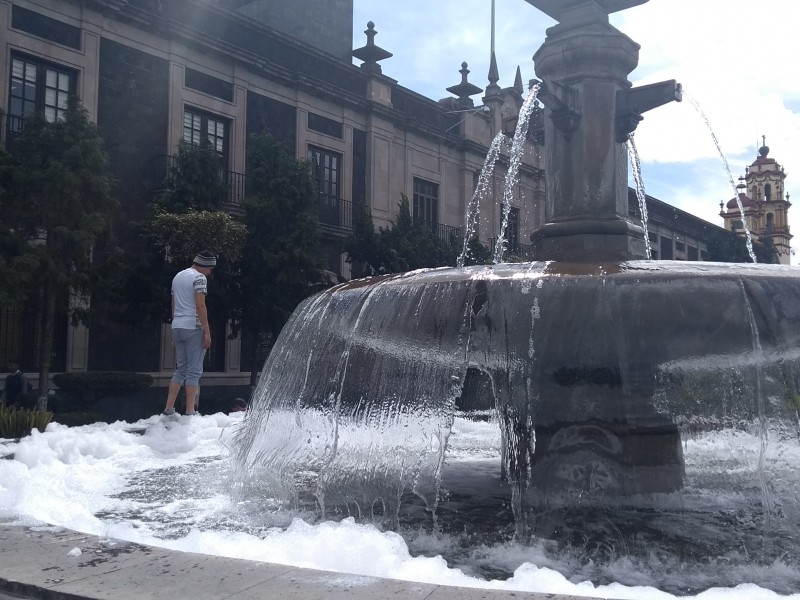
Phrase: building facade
{"type": "Point", "coordinates": [152, 73]}
{"type": "Point", "coordinates": [764, 205]}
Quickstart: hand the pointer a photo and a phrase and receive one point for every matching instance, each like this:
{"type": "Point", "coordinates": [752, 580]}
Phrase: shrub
{"type": "Point", "coordinates": [103, 383]}
{"type": "Point", "coordinates": [75, 419]}
{"type": "Point", "coordinates": [19, 422]}
{"type": "Point", "coordinates": [77, 392]}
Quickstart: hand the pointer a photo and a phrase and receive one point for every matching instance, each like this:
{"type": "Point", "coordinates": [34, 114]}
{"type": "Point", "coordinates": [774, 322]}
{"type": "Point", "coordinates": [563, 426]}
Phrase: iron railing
{"type": "Point", "coordinates": [333, 211]}
{"type": "Point", "coordinates": [160, 171]}
{"type": "Point", "coordinates": [444, 232]}
{"type": "Point", "coordinates": [514, 249]}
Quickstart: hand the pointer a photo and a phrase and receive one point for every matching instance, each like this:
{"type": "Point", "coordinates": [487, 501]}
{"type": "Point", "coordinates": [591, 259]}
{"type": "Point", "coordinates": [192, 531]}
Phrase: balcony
{"type": "Point", "coordinates": [335, 213]}
{"type": "Point", "coordinates": [514, 250]}
{"type": "Point", "coordinates": [13, 129]}
{"type": "Point", "coordinates": [447, 233]}
{"type": "Point", "coordinates": [160, 169]}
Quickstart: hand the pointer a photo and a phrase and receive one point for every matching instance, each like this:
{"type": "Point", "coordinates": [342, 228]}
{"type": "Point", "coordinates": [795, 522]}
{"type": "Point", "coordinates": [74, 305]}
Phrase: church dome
{"type": "Point", "coordinates": [744, 198]}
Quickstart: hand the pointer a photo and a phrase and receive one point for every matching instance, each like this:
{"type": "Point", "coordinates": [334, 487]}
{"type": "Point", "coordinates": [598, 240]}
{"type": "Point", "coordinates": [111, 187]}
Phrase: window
{"type": "Point", "coordinates": [326, 169]}
{"type": "Point", "coordinates": [693, 253]}
{"type": "Point", "coordinates": [768, 192]}
{"type": "Point", "coordinates": [666, 248]}
{"type": "Point", "coordinates": [45, 27]}
{"type": "Point", "coordinates": [680, 246]}
{"type": "Point", "coordinates": [512, 229]}
{"type": "Point", "coordinates": [425, 208]}
{"type": "Point", "coordinates": [770, 222]}
{"type": "Point", "coordinates": [37, 86]}
{"type": "Point", "coordinates": [324, 125]}
{"type": "Point", "coordinates": [199, 126]}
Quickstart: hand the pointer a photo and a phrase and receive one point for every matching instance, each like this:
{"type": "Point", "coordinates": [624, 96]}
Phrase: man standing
{"type": "Point", "coordinates": [190, 331]}
{"type": "Point", "coordinates": [16, 384]}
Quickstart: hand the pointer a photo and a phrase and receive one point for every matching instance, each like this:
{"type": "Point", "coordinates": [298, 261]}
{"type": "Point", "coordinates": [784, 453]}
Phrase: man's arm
{"type": "Point", "coordinates": [202, 314]}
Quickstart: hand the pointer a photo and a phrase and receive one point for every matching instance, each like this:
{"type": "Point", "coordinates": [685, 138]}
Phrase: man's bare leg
{"type": "Point", "coordinates": [191, 396]}
{"type": "Point", "coordinates": [172, 395]}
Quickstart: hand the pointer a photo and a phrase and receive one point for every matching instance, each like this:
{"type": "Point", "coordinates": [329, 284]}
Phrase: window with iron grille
{"type": "Point", "coordinates": [37, 85]}
{"type": "Point", "coordinates": [199, 126]}
{"type": "Point", "coordinates": [425, 206]}
{"type": "Point", "coordinates": [326, 169]}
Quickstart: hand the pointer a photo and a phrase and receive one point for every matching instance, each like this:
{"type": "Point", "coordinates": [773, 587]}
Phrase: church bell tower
{"type": "Point", "coordinates": [765, 202]}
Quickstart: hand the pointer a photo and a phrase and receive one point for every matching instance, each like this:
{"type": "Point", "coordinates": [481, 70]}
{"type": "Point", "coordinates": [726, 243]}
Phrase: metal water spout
{"type": "Point", "coordinates": [631, 103]}
{"type": "Point", "coordinates": [590, 108]}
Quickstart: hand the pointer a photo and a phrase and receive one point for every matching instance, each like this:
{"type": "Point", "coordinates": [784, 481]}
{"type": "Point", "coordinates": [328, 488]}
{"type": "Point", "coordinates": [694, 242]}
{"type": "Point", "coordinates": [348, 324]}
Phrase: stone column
{"type": "Point", "coordinates": [583, 63]}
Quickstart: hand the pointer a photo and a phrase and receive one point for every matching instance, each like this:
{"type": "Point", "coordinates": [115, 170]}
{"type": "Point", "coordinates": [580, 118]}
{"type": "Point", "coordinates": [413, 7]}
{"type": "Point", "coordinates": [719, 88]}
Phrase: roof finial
{"type": "Point", "coordinates": [371, 53]}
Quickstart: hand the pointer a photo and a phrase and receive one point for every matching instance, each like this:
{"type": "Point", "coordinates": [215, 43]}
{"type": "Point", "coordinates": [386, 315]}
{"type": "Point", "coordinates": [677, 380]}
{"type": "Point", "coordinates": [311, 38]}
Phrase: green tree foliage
{"type": "Point", "coordinates": [58, 210]}
{"type": "Point", "coordinates": [16, 266]}
{"type": "Point", "coordinates": [405, 245]}
{"type": "Point", "coordinates": [175, 238]}
{"type": "Point", "coordinates": [278, 267]}
{"type": "Point", "coordinates": [727, 246]}
{"type": "Point", "coordinates": [186, 218]}
{"type": "Point", "coordinates": [196, 180]}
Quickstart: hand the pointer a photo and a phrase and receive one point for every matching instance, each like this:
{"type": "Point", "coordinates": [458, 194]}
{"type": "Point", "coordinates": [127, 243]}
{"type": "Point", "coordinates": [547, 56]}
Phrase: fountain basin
{"type": "Point", "coordinates": [599, 373]}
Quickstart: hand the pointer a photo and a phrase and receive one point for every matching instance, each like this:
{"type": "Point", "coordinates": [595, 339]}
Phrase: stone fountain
{"type": "Point", "coordinates": [600, 366]}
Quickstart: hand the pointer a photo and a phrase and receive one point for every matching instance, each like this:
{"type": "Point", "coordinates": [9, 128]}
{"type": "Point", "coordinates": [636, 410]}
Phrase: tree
{"type": "Point", "coordinates": [16, 266]}
{"type": "Point", "coordinates": [727, 246]}
{"type": "Point", "coordinates": [59, 208]}
{"type": "Point", "coordinates": [196, 180]}
{"type": "Point", "coordinates": [405, 245]}
{"type": "Point", "coordinates": [278, 267]}
{"type": "Point", "coordinates": [175, 238]}
{"type": "Point", "coordinates": [185, 218]}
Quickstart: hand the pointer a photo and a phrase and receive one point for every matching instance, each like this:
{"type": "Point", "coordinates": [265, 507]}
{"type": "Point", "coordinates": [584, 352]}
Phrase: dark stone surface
{"type": "Point", "coordinates": [132, 116]}
{"type": "Point", "coordinates": [265, 115]}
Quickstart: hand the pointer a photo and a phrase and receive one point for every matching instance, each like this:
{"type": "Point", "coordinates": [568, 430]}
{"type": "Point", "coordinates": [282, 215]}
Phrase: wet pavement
{"type": "Point", "coordinates": [59, 564]}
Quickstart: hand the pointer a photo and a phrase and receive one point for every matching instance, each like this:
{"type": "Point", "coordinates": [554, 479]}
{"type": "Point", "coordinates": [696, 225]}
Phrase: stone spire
{"type": "Point", "coordinates": [493, 89]}
{"type": "Point", "coordinates": [518, 82]}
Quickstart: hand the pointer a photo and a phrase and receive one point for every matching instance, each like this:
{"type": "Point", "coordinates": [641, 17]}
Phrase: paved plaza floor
{"type": "Point", "coordinates": [59, 564]}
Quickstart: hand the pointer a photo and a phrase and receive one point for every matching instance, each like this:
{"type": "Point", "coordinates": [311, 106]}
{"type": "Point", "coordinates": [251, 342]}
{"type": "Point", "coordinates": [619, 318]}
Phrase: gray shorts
{"type": "Point", "coordinates": [189, 355]}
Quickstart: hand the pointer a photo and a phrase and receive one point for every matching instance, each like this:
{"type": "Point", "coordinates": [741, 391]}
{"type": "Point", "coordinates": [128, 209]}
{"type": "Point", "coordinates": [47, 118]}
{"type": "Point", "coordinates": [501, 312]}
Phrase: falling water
{"type": "Point", "coordinates": [517, 149]}
{"type": "Point", "coordinates": [474, 209]}
{"type": "Point", "coordinates": [763, 430]}
{"type": "Point", "coordinates": [636, 170]}
{"type": "Point", "coordinates": [748, 237]}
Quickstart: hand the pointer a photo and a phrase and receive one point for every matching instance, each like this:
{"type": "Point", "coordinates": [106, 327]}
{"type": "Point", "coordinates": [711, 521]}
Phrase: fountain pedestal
{"type": "Point", "coordinates": [584, 64]}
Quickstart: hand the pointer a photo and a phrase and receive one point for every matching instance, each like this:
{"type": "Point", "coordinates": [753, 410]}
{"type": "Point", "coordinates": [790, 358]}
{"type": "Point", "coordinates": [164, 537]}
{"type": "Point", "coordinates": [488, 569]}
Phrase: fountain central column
{"type": "Point", "coordinates": [583, 64]}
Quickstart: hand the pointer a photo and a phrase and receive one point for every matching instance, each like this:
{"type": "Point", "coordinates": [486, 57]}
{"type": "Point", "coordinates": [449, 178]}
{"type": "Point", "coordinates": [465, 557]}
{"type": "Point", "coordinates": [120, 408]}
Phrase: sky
{"type": "Point", "coordinates": [735, 58]}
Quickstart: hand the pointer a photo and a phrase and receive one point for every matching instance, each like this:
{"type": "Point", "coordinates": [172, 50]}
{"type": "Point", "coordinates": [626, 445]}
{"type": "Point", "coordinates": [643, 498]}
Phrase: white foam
{"type": "Point", "coordinates": [87, 469]}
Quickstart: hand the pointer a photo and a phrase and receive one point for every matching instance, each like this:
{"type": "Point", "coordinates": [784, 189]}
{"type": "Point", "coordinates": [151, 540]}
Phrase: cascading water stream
{"type": "Point", "coordinates": [636, 171]}
{"type": "Point", "coordinates": [474, 209]}
{"type": "Point", "coordinates": [748, 236]}
{"type": "Point", "coordinates": [763, 429]}
{"type": "Point", "coordinates": [517, 149]}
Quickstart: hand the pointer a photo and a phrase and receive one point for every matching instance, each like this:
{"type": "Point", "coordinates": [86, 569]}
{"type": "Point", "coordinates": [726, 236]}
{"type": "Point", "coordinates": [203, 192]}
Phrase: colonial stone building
{"type": "Point", "coordinates": [154, 72]}
{"type": "Point", "coordinates": [765, 204]}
